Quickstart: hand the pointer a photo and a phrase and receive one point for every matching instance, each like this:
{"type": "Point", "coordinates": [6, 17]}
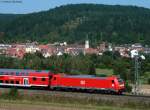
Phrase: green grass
{"type": "Point", "coordinates": [17, 104]}
{"type": "Point", "coordinates": [107, 72]}
{"type": "Point", "coordinates": [145, 77]}
{"type": "Point", "coordinates": [98, 104]}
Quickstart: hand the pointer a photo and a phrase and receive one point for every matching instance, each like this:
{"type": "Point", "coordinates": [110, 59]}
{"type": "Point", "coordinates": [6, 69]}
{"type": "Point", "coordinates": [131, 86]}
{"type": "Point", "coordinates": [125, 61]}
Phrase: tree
{"type": "Point", "coordinates": [119, 68]}
{"type": "Point", "coordinates": [71, 23]}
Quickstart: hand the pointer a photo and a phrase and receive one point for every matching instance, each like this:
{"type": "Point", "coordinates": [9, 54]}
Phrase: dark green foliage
{"type": "Point", "coordinates": [146, 64]}
{"type": "Point", "coordinates": [72, 23]}
{"type": "Point", "coordinates": [101, 75]}
{"type": "Point", "coordinates": [128, 87]}
{"type": "Point", "coordinates": [5, 19]}
{"type": "Point", "coordinates": [62, 64]}
{"type": "Point", "coordinates": [12, 94]}
{"type": "Point", "coordinates": [120, 68]}
{"type": "Point", "coordinates": [80, 64]}
{"type": "Point", "coordinates": [149, 81]}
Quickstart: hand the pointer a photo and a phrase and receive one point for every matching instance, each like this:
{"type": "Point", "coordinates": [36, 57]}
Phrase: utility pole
{"type": "Point", "coordinates": [136, 75]}
{"type": "Point", "coordinates": [137, 58]}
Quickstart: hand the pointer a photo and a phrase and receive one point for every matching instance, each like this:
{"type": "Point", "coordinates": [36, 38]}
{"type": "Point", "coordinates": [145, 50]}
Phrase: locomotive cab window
{"type": "Point", "coordinates": [113, 81]}
{"type": "Point", "coordinates": [120, 80]}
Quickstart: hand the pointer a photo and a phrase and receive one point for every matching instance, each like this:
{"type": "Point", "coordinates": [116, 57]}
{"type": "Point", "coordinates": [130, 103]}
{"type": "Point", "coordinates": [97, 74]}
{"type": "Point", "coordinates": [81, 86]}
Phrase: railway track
{"type": "Point", "coordinates": [82, 95]}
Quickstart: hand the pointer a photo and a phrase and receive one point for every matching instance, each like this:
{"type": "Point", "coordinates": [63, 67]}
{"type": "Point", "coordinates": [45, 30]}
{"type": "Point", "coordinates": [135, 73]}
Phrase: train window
{"type": "Point", "coordinates": [6, 81]}
{"type": "Point", "coordinates": [34, 78]}
{"type": "Point", "coordinates": [38, 70]}
{"type": "Point", "coordinates": [12, 82]}
{"type": "Point", "coordinates": [17, 82]}
{"type": "Point", "coordinates": [120, 80]}
{"type": "Point", "coordinates": [1, 81]}
{"type": "Point", "coordinates": [12, 73]}
{"type": "Point", "coordinates": [54, 78]}
{"type": "Point", "coordinates": [17, 73]}
{"type": "Point", "coordinates": [43, 79]}
{"type": "Point", "coordinates": [112, 81]}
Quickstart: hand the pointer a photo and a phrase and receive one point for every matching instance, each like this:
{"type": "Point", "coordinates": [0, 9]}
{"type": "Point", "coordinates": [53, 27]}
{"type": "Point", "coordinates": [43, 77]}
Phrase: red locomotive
{"type": "Point", "coordinates": [44, 78]}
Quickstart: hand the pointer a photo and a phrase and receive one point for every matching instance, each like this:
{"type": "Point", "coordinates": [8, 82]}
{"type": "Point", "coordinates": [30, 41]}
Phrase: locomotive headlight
{"type": "Point", "coordinates": [121, 85]}
{"type": "Point", "coordinates": [113, 85]}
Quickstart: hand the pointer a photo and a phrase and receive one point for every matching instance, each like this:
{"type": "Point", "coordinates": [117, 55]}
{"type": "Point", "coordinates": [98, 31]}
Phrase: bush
{"type": "Point", "coordinates": [13, 93]}
{"type": "Point", "coordinates": [128, 87]}
{"type": "Point", "coordinates": [148, 80]}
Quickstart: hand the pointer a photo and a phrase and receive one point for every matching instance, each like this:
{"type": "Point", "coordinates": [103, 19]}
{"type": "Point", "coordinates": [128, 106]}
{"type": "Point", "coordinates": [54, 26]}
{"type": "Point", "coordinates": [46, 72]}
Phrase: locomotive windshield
{"type": "Point", "coordinates": [120, 80]}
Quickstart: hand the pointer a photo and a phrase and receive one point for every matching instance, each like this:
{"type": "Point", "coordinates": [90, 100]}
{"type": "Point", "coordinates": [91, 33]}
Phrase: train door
{"type": "Point", "coordinates": [113, 84]}
{"type": "Point", "coordinates": [54, 81]}
{"type": "Point", "coordinates": [25, 81]}
{"type": "Point", "coordinates": [50, 79]}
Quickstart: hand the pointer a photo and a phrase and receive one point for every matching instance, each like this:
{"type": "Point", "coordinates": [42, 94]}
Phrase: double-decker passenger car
{"type": "Point", "coordinates": [24, 77]}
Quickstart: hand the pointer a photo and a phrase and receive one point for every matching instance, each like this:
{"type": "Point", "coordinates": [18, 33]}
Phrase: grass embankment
{"type": "Point", "coordinates": [30, 105]}
{"type": "Point", "coordinates": [56, 102]}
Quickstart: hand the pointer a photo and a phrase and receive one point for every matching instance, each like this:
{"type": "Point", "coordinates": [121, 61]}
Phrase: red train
{"type": "Point", "coordinates": [44, 78]}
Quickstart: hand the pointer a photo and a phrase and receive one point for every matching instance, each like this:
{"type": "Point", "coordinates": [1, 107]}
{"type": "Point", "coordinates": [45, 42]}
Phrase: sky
{"type": "Point", "coordinates": [30, 6]}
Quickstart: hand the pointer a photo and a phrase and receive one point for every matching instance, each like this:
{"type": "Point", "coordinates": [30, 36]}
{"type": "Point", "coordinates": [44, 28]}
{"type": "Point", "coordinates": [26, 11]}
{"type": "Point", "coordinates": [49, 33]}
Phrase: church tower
{"type": "Point", "coordinates": [87, 43]}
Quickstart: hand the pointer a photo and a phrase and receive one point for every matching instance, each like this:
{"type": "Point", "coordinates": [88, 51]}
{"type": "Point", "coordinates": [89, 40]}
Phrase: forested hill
{"type": "Point", "coordinates": [6, 19]}
{"type": "Point", "coordinates": [72, 23]}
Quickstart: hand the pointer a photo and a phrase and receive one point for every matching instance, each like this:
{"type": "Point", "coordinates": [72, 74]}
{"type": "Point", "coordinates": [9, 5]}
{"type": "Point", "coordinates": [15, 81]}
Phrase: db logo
{"type": "Point", "coordinates": [82, 82]}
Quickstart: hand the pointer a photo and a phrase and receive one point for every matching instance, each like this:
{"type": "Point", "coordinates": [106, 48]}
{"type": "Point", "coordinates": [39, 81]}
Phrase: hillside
{"type": "Point", "coordinates": [6, 19]}
{"type": "Point", "coordinates": [72, 23]}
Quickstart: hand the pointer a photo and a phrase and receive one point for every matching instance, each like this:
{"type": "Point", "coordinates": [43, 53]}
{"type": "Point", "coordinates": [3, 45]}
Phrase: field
{"type": "Point", "coordinates": [28, 105]}
{"type": "Point", "coordinates": [107, 72]}
{"type": "Point", "coordinates": [145, 89]}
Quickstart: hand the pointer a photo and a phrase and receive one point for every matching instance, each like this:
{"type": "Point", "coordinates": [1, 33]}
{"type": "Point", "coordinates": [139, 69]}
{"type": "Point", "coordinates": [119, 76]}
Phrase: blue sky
{"type": "Point", "coordinates": [29, 6]}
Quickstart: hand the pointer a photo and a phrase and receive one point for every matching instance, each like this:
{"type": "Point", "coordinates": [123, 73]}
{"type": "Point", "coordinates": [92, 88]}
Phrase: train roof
{"type": "Point", "coordinates": [85, 76]}
{"type": "Point", "coordinates": [24, 70]}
